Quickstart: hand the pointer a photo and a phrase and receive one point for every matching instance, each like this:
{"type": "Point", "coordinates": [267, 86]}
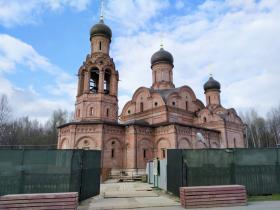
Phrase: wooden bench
{"type": "Point", "coordinates": [213, 196]}
{"type": "Point", "coordinates": [42, 201]}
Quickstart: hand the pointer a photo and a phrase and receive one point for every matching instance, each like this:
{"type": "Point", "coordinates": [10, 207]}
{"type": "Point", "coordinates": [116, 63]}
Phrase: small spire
{"type": "Point", "coordinates": [161, 45]}
{"type": "Point", "coordinates": [161, 40]}
{"type": "Point", "coordinates": [210, 75]}
{"type": "Point", "coordinates": [101, 10]}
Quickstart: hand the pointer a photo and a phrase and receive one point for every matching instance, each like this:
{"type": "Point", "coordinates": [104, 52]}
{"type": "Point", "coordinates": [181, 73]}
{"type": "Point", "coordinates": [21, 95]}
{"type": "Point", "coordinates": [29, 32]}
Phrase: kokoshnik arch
{"type": "Point", "coordinates": [154, 120]}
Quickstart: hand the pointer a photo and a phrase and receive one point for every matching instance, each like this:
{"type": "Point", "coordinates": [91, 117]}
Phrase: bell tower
{"type": "Point", "coordinates": [97, 95]}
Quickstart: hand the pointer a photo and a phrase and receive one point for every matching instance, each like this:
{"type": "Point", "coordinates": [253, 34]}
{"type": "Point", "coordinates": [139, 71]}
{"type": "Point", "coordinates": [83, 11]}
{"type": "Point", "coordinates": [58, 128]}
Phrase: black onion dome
{"type": "Point", "coordinates": [101, 29]}
{"type": "Point", "coordinates": [212, 84]}
{"type": "Point", "coordinates": [162, 56]}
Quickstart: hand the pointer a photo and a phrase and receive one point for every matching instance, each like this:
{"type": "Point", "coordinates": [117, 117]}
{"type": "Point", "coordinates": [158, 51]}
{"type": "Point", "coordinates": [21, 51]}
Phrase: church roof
{"type": "Point", "coordinates": [101, 29]}
{"type": "Point", "coordinates": [212, 84]}
{"type": "Point", "coordinates": [162, 56]}
{"type": "Point", "coordinates": [166, 92]}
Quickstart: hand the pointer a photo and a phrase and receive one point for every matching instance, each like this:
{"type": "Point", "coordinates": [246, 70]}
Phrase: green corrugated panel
{"type": "Point", "coordinates": [47, 171]}
{"type": "Point", "coordinates": [257, 169]}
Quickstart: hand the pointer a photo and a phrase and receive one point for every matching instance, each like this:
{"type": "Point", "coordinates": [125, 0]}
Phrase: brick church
{"type": "Point", "coordinates": [155, 119]}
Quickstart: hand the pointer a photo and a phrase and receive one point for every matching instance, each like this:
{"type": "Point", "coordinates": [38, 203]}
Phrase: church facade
{"type": "Point", "coordinates": [155, 119]}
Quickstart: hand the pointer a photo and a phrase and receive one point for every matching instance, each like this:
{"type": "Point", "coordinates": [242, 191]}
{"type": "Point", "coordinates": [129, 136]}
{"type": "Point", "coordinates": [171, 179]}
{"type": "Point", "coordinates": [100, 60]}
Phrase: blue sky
{"type": "Point", "coordinates": [43, 43]}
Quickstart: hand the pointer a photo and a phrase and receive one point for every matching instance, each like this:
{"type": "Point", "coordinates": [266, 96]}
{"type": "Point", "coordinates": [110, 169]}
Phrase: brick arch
{"type": "Point", "coordinates": [184, 143]}
{"type": "Point", "coordinates": [162, 145]}
{"type": "Point", "coordinates": [173, 97]}
{"type": "Point", "coordinates": [144, 147]}
{"type": "Point", "coordinates": [113, 153]}
{"type": "Point", "coordinates": [64, 144]}
{"type": "Point", "coordinates": [141, 90]}
{"type": "Point", "coordinates": [88, 109]}
{"type": "Point", "coordinates": [86, 142]}
{"type": "Point", "coordinates": [110, 140]}
{"type": "Point", "coordinates": [109, 68]}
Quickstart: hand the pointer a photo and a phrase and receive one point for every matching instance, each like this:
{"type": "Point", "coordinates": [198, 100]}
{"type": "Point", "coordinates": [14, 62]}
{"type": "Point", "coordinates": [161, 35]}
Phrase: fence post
{"type": "Point", "coordinates": [22, 176]}
{"type": "Point", "coordinates": [81, 176]}
{"type": "Point", "coordinates": [277, 171]}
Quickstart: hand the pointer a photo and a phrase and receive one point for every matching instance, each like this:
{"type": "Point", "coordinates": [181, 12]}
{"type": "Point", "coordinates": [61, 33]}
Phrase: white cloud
{"type": "Point", "coordinates": [237, 41]}
{"type": "Point", "coordinates": [76, 4]}
{"type": "Point", "coordinates": [255, 92]}
{"type": "Point", "coordinates": [17, 12]}
{"type": "Point", "coordinates": [14, 51]}
{"type": "Point", "coordinates": [16, 54]}
{"type": "Point", "coordinates": [134, 14]}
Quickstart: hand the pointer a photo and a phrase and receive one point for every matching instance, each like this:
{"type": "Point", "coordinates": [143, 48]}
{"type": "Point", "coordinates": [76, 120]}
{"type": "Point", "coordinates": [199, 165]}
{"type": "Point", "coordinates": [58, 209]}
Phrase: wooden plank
{"type": "Point", "coordinates": [220, 205]}
{"type": "Point", "coordinates": [72, 203]}
{"type": "Point", "coordinates": [213, 187]}
{"type": "Point", "coordinates": [43, 208]}
{"type": "Point", "coordinates": [213, 196]}
{"type": "Point", "coordinates": [41, 195]}
{"type": "Point", "coordinates": [216, 192]}
{"type": "Point", "coordinates": [50, 200]}
{"type": "Point", "coordinates": [216, 200]}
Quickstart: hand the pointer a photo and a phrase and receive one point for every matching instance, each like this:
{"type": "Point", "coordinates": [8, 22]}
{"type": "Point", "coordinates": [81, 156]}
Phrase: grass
{"type": "Point", "coordinates": [274, 197]}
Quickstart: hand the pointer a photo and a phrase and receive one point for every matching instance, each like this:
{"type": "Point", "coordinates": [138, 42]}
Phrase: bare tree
{"type": "Point", "coordinates": [5, 109]}
{"type": "Point", "coordinates": [274, 124]}
{"type": "Point", "coordinates": [58, 118]}
{"type": "Point", "coordinates": [5, 114]}
{"type": "Point", "coordinates": [262, 132]}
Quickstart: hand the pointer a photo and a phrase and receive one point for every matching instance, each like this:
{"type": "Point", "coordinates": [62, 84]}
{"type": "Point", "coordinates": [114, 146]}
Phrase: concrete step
{"type": "Point", "coordinates": [130, 194]}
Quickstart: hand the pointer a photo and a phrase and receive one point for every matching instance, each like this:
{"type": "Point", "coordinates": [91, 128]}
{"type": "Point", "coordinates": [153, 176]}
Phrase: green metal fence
{"type": "Point", "coordinates": [257, 169]}
{"type": "Point", "coordinates": [46, 171]}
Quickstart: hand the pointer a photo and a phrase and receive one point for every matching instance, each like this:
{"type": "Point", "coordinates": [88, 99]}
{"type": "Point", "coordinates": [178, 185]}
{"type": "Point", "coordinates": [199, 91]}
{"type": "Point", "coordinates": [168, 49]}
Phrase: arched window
{"type": "Point", "coordinates": [144, 153]}
{"type": "Point", "coordinates": [100, 47]}
{"type": "Point", "coordinates": [78, 113]}
{"type": "Point", "coordinates": [173, 103]}
{"type": "Point", "coordinates": [112, 153]}
{"type": "Point", "coordinates": [204, 119]}
{"type": "Point", "coordinates": [141, 107]}
{"type": "Point", "coordinates": [107, 112]}
{"type": "Point", "coordinates": [91, 111]}
{"type": "Point", "coordinates": [156, 103]}
{"type": "Point", "coordinates": [209, 100]}
{"type": "Point", "coordinates": [81, 88]}
{"type": "Point", "coordinates": [163, 153]}
{"type": "Point", "coordinates": [187, 106]}
{"type": "Point", "coordinates": [107, 78]}
{"type": "Point", "coordinates": [234, 142]}
{"type": "Point", "coordinates": [94, 78]}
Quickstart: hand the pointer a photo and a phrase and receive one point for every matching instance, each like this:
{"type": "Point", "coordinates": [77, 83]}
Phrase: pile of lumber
{"type": "Point", "coordinates": [213, 196]}
{"type": "Point", "coordinates": [46, 201]}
